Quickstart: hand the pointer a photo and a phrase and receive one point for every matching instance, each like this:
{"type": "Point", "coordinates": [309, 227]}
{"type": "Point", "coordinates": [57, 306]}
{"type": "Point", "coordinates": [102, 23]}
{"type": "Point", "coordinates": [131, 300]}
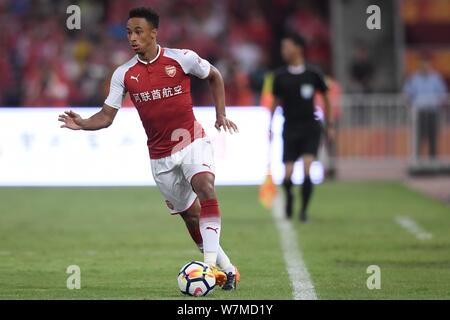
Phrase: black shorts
{"type": "Point", "coordinates": [305, 139]}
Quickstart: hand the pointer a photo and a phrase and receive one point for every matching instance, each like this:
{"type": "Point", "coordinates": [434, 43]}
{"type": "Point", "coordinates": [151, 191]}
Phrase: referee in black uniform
{"type": "Point", "coordinates": [294, 86]}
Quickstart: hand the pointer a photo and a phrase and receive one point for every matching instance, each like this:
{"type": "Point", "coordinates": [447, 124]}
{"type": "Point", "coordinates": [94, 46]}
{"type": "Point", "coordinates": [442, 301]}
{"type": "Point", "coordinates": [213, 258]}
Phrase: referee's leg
{"type": "Point", "coordinates": [307, 187]}
{"type": "Point", "coordinates": [287, 186]}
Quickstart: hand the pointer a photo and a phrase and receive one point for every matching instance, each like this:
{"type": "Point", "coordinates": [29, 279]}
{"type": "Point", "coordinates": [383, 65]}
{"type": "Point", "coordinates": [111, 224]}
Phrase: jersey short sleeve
{"type": "Point", "coordinates": [194, 65]}
{"type": "Point", "coordinates": [116, 89]}
{"type": "Point", "coordinates": [320, 83]}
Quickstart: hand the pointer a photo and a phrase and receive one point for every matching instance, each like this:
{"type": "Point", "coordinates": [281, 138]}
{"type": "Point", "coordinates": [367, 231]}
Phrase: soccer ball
{"type": "Point", "coordinates": [196, 279]}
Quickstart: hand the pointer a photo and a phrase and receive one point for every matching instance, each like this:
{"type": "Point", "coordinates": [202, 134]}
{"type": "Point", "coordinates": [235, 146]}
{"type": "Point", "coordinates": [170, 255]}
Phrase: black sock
{"type": "Point", "coordinates": [307, 189]}
{"type": "Point", "coordinates": [287, 186]}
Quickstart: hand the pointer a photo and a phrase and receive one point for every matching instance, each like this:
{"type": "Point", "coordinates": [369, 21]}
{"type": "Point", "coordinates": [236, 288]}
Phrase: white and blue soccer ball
{"type": "Point", "coordinates": [196, 279]}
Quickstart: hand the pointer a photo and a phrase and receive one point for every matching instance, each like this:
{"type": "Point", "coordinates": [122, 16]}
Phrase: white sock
{"type": "Point", "coordinates": [224, 262]}
{"type": "Point", "coordinates": [210, 231]}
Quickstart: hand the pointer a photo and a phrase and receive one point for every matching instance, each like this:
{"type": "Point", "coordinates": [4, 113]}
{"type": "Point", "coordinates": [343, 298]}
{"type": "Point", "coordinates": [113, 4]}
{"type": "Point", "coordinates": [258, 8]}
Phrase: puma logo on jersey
{"type": "Point", "coordinates": [216, 230]}
{"type": "Point", "coordinates": [135, 77]}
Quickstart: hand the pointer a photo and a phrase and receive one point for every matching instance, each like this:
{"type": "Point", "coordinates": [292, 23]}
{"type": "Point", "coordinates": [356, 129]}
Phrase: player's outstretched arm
{"type": "Point", "coordinates": [218, 92]}
{"type": "Point", "coordinates": [100, 120]}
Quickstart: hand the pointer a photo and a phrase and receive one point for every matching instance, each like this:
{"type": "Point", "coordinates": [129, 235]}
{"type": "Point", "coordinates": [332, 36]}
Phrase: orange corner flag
{"type": "Point", "coordinates": [267, 192]}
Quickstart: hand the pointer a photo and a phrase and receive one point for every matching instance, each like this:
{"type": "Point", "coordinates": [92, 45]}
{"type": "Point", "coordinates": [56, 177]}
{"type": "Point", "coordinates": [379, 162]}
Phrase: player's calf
{"type": "Point", "coordinates": [191, 219]}
{"type": "Point", "coordinates": [287, 186]}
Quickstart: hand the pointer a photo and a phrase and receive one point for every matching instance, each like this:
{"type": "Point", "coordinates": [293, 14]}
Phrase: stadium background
{"type": "Point", "coordinates": [45, 67]}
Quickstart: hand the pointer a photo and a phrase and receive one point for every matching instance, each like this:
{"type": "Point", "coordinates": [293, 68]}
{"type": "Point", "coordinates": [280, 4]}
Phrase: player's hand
{"type": "Point", "coordinates": [71, 120]}
{"type": "Point", "coordinates": [226, 124]}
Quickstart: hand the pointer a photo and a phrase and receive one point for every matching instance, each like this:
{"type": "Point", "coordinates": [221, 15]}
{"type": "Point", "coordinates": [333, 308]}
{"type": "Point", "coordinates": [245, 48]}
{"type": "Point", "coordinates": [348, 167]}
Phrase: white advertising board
{"type": "Point", "coordinates": [35, 151]}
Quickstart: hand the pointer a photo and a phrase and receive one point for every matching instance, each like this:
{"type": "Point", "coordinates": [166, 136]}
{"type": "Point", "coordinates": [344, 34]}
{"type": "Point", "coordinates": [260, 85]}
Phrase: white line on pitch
{"type": "Point", "coordinates": [411, 226]}
{"type": "Point", "coordinates": [302, 286]}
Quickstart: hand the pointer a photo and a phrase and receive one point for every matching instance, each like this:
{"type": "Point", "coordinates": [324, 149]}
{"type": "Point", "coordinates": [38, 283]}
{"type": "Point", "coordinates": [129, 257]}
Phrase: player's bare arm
{"type": "Point", "coordinates": [275, 103]}
{"type": "Point", "coordinates": [100, 120]}
{"type": "Point", "coordinates": [218, 92]}
{"type": "Point", "coordinates": [329, 125]}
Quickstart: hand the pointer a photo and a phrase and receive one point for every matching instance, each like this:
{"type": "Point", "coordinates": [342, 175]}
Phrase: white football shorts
{"type": "Point", "coordinates": [173, 174]}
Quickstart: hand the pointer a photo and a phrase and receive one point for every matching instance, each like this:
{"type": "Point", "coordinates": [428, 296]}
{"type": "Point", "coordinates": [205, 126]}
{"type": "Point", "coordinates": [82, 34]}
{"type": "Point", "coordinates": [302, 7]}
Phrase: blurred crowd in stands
{"type": "Point", "coordinates": [42, 63]}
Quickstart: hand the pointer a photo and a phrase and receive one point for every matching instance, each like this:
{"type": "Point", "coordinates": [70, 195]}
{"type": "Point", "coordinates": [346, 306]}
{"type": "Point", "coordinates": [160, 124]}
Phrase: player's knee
{"type": "Point", "coordinates": [203, 186]}
{"type": "Point", "coordinates": [205, 190]}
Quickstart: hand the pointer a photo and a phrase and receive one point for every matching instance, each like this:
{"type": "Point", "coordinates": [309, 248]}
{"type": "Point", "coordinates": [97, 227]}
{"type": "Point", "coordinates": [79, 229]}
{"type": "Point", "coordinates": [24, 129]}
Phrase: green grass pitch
{"type": "Point", "coordinates": [129, 247]}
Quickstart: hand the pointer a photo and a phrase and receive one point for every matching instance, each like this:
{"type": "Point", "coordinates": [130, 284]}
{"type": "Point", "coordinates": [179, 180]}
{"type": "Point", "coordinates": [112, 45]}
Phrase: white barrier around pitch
{"type": "Point", "coordinates": [35, 151]}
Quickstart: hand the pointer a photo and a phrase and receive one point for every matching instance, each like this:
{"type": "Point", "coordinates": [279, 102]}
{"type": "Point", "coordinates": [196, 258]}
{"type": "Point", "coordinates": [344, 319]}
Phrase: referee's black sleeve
{"type": "Point", "coordinates": [320, 82]}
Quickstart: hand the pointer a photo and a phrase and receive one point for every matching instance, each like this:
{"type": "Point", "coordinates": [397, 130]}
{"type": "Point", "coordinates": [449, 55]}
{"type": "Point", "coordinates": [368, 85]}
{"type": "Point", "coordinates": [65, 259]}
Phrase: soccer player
{"type": "Point", "coordinates": [181, 155]}
{"type": "Point", "coordinates": [293, 88]}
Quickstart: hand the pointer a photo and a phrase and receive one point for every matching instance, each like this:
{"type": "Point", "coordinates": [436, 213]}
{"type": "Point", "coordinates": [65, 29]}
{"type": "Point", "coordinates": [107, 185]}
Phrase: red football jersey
{"type": "Point", "coordinates": [160, 91]}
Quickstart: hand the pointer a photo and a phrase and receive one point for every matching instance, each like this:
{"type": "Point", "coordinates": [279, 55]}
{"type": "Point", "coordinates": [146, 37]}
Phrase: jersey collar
{"type": "Point", "coordinates": [296, 69]}
{"type": "Point", "coordinates": [154, 59]}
